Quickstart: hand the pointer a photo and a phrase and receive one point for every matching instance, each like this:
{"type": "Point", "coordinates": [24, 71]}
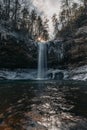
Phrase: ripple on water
{"type": "Point", "coordinates": [43, 107]}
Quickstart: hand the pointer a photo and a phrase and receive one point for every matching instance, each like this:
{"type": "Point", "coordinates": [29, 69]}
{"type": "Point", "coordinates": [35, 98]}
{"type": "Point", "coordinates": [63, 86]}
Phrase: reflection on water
{"type": "Point", "coordinates": [43, 106]}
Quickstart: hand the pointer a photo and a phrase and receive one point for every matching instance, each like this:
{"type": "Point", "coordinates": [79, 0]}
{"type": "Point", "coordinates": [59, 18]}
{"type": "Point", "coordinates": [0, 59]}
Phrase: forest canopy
{"type": "Point", "coordinates": [18, 15]}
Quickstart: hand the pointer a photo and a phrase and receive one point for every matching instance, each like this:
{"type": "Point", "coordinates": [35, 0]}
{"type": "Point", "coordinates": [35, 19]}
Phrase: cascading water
{"type": "Point", "coordinates": [42, 61]}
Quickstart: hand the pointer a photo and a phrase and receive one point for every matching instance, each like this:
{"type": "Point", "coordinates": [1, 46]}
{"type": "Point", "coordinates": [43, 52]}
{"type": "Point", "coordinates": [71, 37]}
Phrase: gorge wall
{"type": "Point", "coordinates": [19, 51]}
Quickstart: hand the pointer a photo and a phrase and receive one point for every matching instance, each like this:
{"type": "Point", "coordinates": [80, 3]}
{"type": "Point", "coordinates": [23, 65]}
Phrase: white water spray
{"type": "Point", "coordinates": [42, 61]}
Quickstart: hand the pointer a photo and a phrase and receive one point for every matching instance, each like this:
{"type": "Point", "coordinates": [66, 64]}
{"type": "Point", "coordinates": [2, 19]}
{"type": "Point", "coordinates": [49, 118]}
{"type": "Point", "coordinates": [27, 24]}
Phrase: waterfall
{"type": "Point", "coordinates": [42, 61]}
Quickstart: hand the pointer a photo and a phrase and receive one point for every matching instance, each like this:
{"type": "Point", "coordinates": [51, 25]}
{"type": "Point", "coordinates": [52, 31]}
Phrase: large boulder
{"type": "Point", "coordinates": [59, 76]}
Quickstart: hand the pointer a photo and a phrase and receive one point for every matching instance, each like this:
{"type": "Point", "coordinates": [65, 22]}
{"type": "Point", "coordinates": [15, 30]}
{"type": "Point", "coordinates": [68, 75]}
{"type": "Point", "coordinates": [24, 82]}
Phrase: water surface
{"type": "Point", "coordinates": [44, 105]}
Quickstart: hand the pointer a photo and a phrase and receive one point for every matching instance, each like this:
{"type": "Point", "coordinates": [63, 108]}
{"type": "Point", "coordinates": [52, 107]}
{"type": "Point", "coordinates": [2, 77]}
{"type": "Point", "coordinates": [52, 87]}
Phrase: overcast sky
{"type": "Point", "coordinates": [48, 8]}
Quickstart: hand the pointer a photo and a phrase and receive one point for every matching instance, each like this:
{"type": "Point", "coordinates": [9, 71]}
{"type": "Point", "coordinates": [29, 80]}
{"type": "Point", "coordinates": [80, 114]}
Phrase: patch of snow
{"type": "Point", "coordinates": [80, 69]}
{"type": "Point", "coordinates": [79, 73]}
{"type": "Point", "coordinates": [18, 74]}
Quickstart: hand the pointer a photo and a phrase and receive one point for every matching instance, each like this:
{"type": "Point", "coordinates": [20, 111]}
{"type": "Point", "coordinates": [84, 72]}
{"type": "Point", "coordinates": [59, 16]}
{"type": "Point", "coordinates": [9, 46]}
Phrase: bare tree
{"type": "Point", "coordinates": [55, 25]}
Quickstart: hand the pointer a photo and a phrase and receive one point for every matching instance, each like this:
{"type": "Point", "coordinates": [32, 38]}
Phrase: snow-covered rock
{"type": "Point", "coordinates": [79, 73]}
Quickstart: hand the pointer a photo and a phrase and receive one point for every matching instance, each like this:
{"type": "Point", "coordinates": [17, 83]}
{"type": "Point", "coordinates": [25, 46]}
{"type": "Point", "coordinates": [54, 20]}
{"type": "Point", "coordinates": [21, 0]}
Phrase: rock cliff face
{"type": "Point", "coordinates": [15, 56]}
{"type": "Point", "coordinates": [17, 50]}
{"type": "Point", "coordinates": [55, 53]}
{"type": "Point", "coordinates": [76, 48]}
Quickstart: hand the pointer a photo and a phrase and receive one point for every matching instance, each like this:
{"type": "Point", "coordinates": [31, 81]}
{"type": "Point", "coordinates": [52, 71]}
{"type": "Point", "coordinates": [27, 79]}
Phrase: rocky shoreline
{"type": "Point", "coordinates": [76, 74]}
